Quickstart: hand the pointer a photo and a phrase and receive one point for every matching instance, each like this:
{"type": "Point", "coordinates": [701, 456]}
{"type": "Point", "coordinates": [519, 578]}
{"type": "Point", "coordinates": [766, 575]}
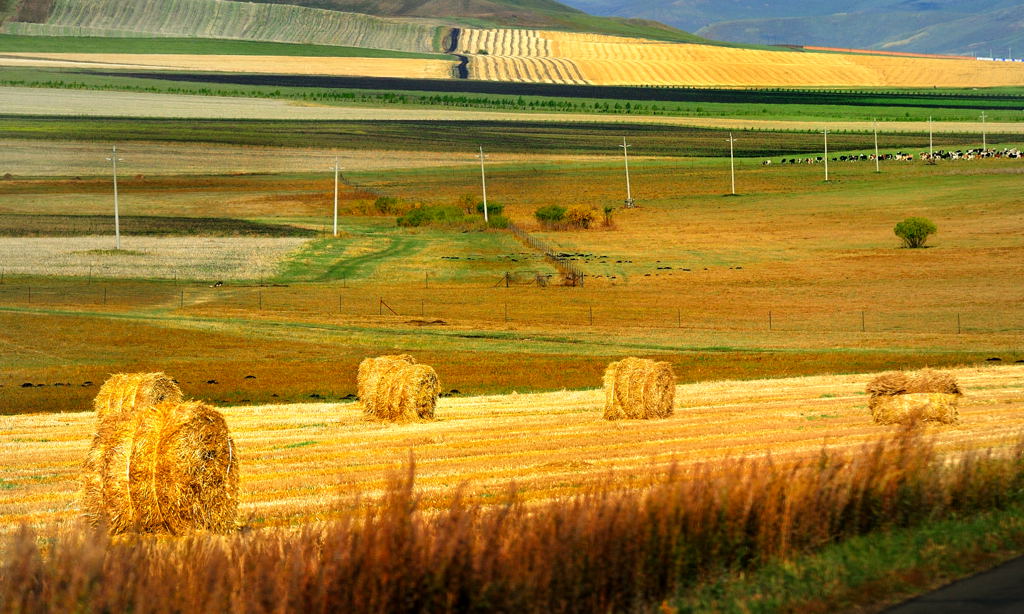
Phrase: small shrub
{"type": "Point", "coordinates": [580, 217]}
{"type": "Point", "coordinates": [492, 209]}
{"type": "Point", "coordinates": [442, 215]}
{"type": "Point", "coordinates": [386, 205]}
{"type": "Point", "coordinates": [498, 221]}
{"type": "Point", "coordinates": [419, 216]}
{"type": "Point", "coordinates": [550, 216]}
{"type": "Point", "coordinates": [914, 231]}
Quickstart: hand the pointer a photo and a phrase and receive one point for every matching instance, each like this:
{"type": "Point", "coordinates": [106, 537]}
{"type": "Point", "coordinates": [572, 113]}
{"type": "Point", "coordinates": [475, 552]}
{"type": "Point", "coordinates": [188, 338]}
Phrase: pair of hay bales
{"type": "Point", "coordinates": [158, 463]}
{"type": "Point", "coordinates": [898, 397]}
{"type": "Point", "coordinates": [396, 388]}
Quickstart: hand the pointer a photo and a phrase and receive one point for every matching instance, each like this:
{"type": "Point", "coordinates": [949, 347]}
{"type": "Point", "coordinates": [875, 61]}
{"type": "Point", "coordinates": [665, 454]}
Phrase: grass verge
{"type": "Point", "coordinates": [868, 571]}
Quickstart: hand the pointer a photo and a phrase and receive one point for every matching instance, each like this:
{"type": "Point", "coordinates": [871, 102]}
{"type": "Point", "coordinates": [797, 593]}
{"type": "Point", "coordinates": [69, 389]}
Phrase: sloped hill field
{"type": "Point", "coordinates": [606, 60]}
{"type": "Point", "coordinates": [306, 461]}
{"type": "Point", "coordinates": [230, 20]}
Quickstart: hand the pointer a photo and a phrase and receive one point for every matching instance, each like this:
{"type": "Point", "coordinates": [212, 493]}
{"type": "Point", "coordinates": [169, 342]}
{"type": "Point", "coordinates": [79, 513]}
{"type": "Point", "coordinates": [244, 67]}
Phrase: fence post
{"type": "Point", "coordinates": [380, 307]}
{"type": "Point", "coordinates": [259, 296]}
{"type": "Point", "coordinates": [958, 323]}
{"type": "Point", "coordinates": [769, 320]}
{"type": "Point", "coordinates": [30, 294]}
{"type": "Point", "coordinates": [341, 304]}
{"type": "Point", "coordinates": [862, 328]}
{"type": "Point", "coordinates": [181, 299]}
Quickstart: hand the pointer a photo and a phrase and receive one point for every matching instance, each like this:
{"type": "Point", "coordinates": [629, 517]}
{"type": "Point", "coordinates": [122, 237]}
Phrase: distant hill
{"type": "Point", "coordinates": [922, 26]}
{"type": "Point", "coordinates": [401, 25]}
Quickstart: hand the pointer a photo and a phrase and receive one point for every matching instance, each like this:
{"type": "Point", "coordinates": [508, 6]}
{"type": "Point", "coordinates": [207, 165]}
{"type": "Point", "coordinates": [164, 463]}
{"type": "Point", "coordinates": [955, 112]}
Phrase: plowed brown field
{"type": "Point", "coordinates": [608, 60]}
{"type": "Point", "coordinates": [303, 461]}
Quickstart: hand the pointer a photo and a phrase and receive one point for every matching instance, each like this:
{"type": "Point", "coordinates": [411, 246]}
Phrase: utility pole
{"type": "Point", "coordinates": [825, 132]}
{"type": "Point", "coordinates": [629, 203]}
{"type": "Point", "coordinates": [113, 159]}
{"type": "Point", "coordinates": [874, 123]}
{"type": "Point", "coordinates": [336, 169]}
{"type": "Point", "coordinates": [984, 136]}
{"type": "Point", "coordinates": [483, 181]}
{"type": "Point", "coordinates": [732, 164]}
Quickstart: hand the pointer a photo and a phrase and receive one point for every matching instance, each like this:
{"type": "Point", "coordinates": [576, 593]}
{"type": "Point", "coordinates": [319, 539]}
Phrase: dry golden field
{"type": "Point", "coordinates": [563, 57]}
{"type": "Point", "coordinates": [344, 66]}
{"type": "Point", "coordinates": [303, 462]}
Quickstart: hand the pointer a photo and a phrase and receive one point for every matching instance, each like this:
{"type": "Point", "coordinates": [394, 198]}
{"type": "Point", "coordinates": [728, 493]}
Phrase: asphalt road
{"type": "Point", "coordinates": [997, 591]}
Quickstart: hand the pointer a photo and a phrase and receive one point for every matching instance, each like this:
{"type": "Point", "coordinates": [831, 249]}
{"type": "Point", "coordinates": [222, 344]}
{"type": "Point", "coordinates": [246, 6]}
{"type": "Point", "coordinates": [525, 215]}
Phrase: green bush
{"type": "Point", "coordinates": [387, 205]}
{"type": "Point", "coordinates": [434, 216]}
{"type": "Point", "coordinates": [492, 209]}
{"type": "Point", "coordinates": [915, 231]}
{"type": "Point", "coordinates": [420, 216]}
{"type": "Point", "coordinates": [550, 215]}
{"type": "Point", "coordinates": [498, 221]}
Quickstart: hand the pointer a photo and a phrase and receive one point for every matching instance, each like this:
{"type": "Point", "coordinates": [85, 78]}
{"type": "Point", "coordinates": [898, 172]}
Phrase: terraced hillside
{"type": "Point", "coordinates": [229, 20]}
{"type": "Point", "coordinates": [512, 55]}
{"type": "Point", "coordinates": [306, 461]}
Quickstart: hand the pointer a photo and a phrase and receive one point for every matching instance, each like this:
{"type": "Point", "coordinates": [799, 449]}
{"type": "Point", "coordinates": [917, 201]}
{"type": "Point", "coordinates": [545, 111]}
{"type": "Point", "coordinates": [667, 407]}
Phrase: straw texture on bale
{"type": "Point", "coordinates": [915, 407]}
{"type": "Point", "coordinates": [925, 395]}
{"type": "Point", "coordinates": [371, 370]}
{"type": "Point", "coordinates": [408, 392]}
{"type": "Point", "coordinates": [170, 468]}
{"type": "Point", "coordinates": [638, 388]}
{"type": "Point", "coordinates": [123, 392]}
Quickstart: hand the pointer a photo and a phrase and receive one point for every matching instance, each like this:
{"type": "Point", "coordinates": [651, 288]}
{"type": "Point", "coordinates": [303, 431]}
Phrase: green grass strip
{"type": "Point", "coordinates": [871, 570]}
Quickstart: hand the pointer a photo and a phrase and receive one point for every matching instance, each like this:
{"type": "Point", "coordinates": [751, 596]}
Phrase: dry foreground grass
{"type": "Point", "coordinates": [314, 461]}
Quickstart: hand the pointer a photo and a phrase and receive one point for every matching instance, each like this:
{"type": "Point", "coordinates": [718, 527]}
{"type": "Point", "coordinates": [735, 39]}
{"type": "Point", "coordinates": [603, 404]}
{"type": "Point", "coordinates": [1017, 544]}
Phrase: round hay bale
{"type": "Point", "coordinates": [407, 392]}
{"type": "Point", "coordinates": [924, 395]}
{"type": "Point", "coordinates": [370, 372]}
{"type": "Point", "coordinates": [168, 468]}
{"type": "Point", "coordinates": [639, 389]}
{"type": "Point", "coordinates": [124, 392]}
{"type": "Point", "coordinates": [916, 407]}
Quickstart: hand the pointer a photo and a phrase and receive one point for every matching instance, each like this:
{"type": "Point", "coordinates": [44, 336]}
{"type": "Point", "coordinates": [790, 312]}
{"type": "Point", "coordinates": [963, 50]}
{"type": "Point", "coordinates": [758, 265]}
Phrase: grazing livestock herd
{"type": "Point", "coordinates": [899, 156]}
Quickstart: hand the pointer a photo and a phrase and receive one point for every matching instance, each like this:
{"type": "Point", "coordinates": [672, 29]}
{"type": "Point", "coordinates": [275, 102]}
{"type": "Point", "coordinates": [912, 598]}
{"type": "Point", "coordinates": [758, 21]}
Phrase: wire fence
{"type": "Point", "coordinates": [571, 272]}
{"type": "Point", "coordinates": [522, 306]}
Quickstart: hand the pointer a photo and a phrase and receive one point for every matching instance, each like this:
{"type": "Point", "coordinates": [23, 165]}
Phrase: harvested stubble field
{"type": "Point", "coordinates": [565, 57]}
{"type": "Point", "coordinates": [23, 157]}
{"type": "Point", "coordinates": [305, 462]}
{"type": "Point", "coordinates": [407, 68]}
{"type": "Point", "coordinates": [210, 258]}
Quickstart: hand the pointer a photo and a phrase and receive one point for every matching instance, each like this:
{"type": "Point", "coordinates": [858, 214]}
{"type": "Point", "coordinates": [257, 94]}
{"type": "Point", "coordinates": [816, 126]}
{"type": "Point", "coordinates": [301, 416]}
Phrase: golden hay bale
{"type": "Point", "coordinates": [166, 468]}
{"type": "Point", "coordinates": [370, 372]}
{"type": "Point", "coordinates": [915, 407]}
{"type": "Point", "coordinates": [124, 392]}
{"type": "Point", "coordinates": [901, 382]}
{"type": "Point", "coordinates": [407, 392]}
{"type": "Point", "coordinates": [638, 388]}
{"type": "Point", "coordinates": [901, 397]}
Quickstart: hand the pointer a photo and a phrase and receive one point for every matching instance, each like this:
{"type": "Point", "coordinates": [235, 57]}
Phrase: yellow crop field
{"type": "Point", "coordinates": [608, 60]}
{"type": "Point", "coordinates": [340, 66]}
{"type": "Point", "coordinates": [302, 462]}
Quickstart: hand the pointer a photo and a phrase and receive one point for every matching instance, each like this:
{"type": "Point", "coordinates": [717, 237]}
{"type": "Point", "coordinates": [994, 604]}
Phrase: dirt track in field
{"type": "Point", "coordinates": [303, 461]}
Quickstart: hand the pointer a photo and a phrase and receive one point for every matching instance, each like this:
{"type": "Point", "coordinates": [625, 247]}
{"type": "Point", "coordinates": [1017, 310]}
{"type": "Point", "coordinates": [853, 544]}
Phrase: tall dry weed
{"type": "Point", "coordinates": [606, 550]}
